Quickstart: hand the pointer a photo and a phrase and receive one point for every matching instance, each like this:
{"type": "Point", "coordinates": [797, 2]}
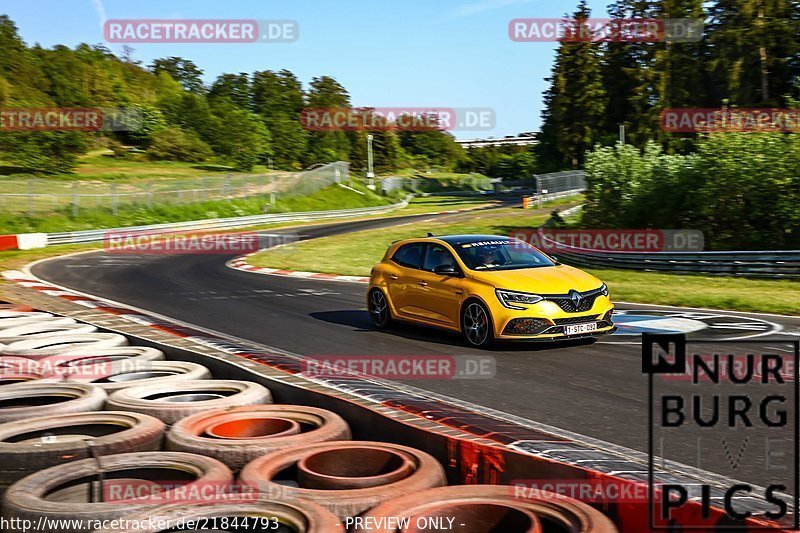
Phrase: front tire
{"type": "Point", "coordinates": [378, 308]}
{"type": "Point", "coordinates": [476, 325]}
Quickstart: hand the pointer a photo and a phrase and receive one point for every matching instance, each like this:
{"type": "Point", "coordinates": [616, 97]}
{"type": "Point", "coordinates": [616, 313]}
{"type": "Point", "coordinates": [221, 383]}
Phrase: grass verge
{"type": "Point", "coordinates": [355, 253]}
{"type": "Point", "coordinates": [333, 197]}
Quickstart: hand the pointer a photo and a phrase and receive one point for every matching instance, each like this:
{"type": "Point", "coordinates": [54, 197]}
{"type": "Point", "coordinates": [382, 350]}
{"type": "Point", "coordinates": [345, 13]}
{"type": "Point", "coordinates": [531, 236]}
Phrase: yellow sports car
{"type": "Point", "coordinates": [488, 288]}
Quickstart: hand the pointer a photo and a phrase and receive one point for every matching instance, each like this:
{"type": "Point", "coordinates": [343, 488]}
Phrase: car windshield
{"type": "Point", "coordinates": [501, 255]}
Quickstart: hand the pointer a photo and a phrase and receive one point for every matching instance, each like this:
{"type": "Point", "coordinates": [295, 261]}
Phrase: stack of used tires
{"type": "Point", "coordinates": [99, 435]}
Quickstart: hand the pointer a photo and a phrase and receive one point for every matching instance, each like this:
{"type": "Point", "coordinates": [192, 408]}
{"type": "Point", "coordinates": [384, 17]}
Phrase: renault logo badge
{"type": "Point", "coordinates": [575, 297]}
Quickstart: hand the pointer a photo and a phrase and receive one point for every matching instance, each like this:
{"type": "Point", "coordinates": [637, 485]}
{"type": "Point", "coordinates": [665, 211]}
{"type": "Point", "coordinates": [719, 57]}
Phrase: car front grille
{"type": "Point", "coordinates": [568, 305]}
{"type": "Point", "coordinates": [575, 320]}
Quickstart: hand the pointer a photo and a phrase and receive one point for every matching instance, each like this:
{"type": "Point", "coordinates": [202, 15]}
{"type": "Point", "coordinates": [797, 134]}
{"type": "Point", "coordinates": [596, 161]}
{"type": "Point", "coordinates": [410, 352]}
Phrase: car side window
{"type": "Point", "coordinates": [409, 255]}
{"type": "Point", "coordinates": [437, 255]}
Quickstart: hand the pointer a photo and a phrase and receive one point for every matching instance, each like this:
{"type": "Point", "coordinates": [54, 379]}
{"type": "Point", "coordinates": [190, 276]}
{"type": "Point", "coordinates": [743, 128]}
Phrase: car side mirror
{"type": "Point", "coordinates": [446, 270]}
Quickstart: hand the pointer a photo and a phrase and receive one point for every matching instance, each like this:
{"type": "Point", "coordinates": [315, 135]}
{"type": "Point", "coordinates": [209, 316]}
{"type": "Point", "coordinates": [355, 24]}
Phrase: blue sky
{"type": "Point", "coordinates": [401, 53]}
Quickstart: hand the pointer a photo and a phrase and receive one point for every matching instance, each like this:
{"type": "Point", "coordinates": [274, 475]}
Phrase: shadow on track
{"type": "Point", "coordinates": [360, 322]}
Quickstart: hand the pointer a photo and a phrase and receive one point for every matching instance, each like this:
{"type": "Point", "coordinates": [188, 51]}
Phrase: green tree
{"type": "Point", "coordinates": [184, 71]}
{"type": "Point", "coordinates": [754, 51]}
{"type": "Point", "coordinates": [278, 98]}
{"type": "Point", "coordinates": [175, 144]}
{"type": "Point", "coordinates": [232, 87]}
{"type": "Point", "coordinates": [629, 81]}
{"type": "Point", "coordinates": [575, 103]}
{"type": "Point", "coordinates": [240, 136]}
{"type": "Point", "coordinates": [190, 111]}
{"type": "Point", "coordinates": [433, 147]}
{"type": "Point", "coordinates": [327, 146]}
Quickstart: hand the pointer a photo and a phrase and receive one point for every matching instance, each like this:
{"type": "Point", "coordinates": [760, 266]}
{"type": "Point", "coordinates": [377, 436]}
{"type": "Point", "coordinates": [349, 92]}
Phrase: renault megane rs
{"type": "Point", "coordinates": [487, 288]}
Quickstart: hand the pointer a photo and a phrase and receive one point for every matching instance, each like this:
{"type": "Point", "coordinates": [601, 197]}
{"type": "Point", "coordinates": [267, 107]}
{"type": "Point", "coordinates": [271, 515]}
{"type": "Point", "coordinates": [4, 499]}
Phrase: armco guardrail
{"type": "Point", "coordinates": [771, 264]}
{"type": "Point", "coordinates": [96, 235]}
{"type": "Point", "coordinates": [765, 264]}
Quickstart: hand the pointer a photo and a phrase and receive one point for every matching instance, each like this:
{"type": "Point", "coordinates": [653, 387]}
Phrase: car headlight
{"type": "Point", "coordinates": [604, 290]}
{"type": "Point", "coordinates": [509, 298]}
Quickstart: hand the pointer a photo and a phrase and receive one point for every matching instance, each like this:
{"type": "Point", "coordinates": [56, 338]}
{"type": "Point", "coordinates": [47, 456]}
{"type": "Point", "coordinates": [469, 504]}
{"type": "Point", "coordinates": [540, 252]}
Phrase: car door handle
{"type": "Point", "coordinates": [422, 284]}
{"type": "Point", "coordinates": [459, 291]}
{"type": "Point", "coordinates": [393, 276]}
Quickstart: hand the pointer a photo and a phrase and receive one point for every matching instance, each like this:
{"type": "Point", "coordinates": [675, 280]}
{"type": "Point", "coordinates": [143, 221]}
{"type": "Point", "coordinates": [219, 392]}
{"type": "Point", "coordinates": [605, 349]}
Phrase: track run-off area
{"type": "Point", "coordinates": [594, 390]}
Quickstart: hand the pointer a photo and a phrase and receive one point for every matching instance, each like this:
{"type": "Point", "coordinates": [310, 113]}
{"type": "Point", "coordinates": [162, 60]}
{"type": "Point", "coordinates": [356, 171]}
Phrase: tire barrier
{"type": "Point", "coordinates": [38, 330]}
{"type": "Point", "coordinates": [347, 478]}
{"type": "Point", "coordinates": [22, 401]}
{"type": "Point", "coordinates": [75, 362]}
{"type": "Point", "coordinates": [487, 508]}
{"type": "Point", "coordinates": [239, 435]}
{"type": "Point", "coordinates": [131, 483]}
{"type": "Point", "coordinates": [112, 379]}
{"type": "Point", "coordinates": [20, 311]}
{"type": "Point", "coordinates": [45, 346]}
{"type": "Point", "coordinates": [179, 399]}
{"type": "Point", "coordinates": [261, 514]}
{"type": "Point", "coordinates": [15, 370]}
{"type": "Point", "coordinates": [27, 446]}
{"type": "Point", "coordinates": [6, 323]}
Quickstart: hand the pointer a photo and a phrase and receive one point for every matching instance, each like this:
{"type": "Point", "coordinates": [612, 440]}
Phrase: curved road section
{"type": "Point", "coordinates": [597, 390]}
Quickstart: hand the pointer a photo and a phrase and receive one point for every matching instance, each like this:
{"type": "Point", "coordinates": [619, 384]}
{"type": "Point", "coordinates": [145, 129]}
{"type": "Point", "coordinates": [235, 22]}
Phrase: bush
{"type": "Point", "coordinates": [47, 152]}
{"type": "Point", "coordinates": [175, 144]}
{"type": "Point", "coordinates": [741, 189]}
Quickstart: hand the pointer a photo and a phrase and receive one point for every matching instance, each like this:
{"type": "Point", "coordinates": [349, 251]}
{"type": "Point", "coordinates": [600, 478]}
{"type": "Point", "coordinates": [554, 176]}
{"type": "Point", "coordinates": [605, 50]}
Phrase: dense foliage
{"type": "Point", "coordinates": [748, 56]}
{"type": "Point", "coordinates": [240, 119]}
{"type": "Point", "coordinates": [741, 189]}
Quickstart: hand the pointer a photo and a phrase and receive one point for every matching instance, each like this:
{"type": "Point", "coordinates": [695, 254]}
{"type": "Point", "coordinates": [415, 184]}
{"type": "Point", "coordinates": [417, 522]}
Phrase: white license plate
{"type": "Point", "coordinates": [577, 329]}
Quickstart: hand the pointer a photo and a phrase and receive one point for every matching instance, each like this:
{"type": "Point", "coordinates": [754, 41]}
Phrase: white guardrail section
{"type": "Point", "coordinates": [97, 235]}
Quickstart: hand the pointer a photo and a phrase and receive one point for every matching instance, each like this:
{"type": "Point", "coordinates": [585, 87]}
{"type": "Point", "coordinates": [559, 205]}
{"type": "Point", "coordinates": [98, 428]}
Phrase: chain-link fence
{"type": "Point", "coordinates": [570, 180]}
{"type": "Point", "coordinates": [34, 197]}
{"type": "Point", "coordinates": [468, 182]}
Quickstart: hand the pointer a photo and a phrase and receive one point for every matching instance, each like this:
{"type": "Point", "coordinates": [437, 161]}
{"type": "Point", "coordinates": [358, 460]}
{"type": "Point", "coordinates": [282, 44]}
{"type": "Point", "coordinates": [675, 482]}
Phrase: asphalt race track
{"type": "Point", "coordinates": [597, 390]}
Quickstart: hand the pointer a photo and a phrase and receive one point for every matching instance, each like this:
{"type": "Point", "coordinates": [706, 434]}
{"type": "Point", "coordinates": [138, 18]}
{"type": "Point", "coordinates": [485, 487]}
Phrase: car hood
{"type": "Point", "coordinates": [543, 280]}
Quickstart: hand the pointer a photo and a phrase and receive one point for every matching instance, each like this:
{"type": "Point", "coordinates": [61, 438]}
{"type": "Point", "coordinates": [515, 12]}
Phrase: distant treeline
{"type": "Point", "coordinates": [748, 56]}
{"type": "Point", "coordinates": [241, 119]}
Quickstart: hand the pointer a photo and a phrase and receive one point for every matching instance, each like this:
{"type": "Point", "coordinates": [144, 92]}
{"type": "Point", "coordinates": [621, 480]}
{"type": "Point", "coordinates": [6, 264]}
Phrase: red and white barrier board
{"type": "Point", "coordinates": [23, 241]}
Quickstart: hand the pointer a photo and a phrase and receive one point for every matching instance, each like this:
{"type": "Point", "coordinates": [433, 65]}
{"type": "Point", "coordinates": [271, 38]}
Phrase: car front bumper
{"type": "Point", "coordinates": [546, 321]}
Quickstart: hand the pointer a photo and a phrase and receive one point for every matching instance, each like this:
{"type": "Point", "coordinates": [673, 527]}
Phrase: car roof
{"type": "Point", "coordinates": [455, 240]}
